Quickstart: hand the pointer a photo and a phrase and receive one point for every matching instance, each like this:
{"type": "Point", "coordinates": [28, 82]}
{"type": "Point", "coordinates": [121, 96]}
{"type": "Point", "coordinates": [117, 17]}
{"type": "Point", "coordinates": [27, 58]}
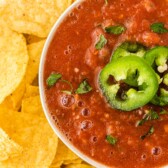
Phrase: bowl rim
{"type": "Point", "coordinates": [42, 94]}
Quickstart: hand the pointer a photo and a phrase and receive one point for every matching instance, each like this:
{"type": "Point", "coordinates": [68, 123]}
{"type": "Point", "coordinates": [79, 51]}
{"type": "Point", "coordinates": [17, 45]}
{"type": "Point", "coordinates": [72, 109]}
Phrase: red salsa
{"type": "Point", "coordinates": [82, 46]}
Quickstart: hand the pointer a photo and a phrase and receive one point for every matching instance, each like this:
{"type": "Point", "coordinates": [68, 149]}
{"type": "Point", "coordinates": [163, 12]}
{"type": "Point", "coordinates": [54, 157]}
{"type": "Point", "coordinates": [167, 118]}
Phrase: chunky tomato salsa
{"type": "Point", "coordinates": [106, 80]}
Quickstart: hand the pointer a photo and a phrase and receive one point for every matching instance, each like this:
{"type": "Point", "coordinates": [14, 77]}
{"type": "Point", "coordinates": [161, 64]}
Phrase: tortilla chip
{"type": "Point", "coordinates": [32, 39]}
{"type": "Point", "coordinates": [75, 161]}
{"type": "Point", "coordinates": [63, 154]}
{"type": "Point", "coordinates": [13, 61]}
{"type": "Point", "coordinates": [79, 166]}
{"type": "Point", "coordinates": [34, 51]}
{"type": "Point", "coordinates": [31, 91]}
{"type": "Point", "coordinates": [8, 148]}
{"type": "Point", "coordinates": [34, 134]}
{"type": "Point", "coordinates": [32, 105]}
{"type": "Point", "coordinates": [14, 100]}
{"type": "Point", "coordinates": [34, 17]}
{"type": "Point", "coordinates": [57, 164]}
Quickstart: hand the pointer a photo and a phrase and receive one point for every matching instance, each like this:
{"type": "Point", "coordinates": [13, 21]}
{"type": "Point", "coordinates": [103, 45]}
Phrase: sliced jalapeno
{"type": "Point", "coordinates": [128, 49]}
{"type": "Point", "coordinates": [121, 95]}
{"type": "Point", "coordinates": [157, 57]}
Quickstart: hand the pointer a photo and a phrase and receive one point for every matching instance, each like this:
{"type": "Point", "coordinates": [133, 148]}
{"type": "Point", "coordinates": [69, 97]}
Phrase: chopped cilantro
{"type": "Point", "coordinates": [150, 132]}
{"type": "Point", "coordinates": [101, 43]}
{"type": "Point", "coordinates": [111, 140]}
{"type": "Point", "coordinates": [158, 28]}
{"type": "Point", "coordinates": [84, 87]}
{"type": "Point", "coordinates": [141, 122]}
{"type": "Point", "coordinates": [151, 115]}
{"type": "Point", "coordinates": [163, 112]}
{"type": "Point", "coordinates": [52, 79]}
{"type": "Point", "coordinates": [115, 29]}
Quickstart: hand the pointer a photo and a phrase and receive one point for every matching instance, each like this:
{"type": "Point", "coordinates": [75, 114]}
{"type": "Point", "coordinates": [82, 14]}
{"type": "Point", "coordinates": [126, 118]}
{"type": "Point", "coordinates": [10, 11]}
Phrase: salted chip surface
{"type": "Point", "coordinates": [32, 105]}
{"type": "Point", "coordinates": [34, 17]}
{"type": "Point", "coordinates": [13, 61]}
{"type": "Point", "coordinates": [63, 154]}
{"type": "Point", "coordinates": [34, 134]}
{"type": "Point", "coordinates": [13, 101]}
{"type": "Point", "coordinates": [8, 148]}
{"type": "Point", "coordinates": [31, 91]}
{"type": "Point", "coordinates": [34, 51]}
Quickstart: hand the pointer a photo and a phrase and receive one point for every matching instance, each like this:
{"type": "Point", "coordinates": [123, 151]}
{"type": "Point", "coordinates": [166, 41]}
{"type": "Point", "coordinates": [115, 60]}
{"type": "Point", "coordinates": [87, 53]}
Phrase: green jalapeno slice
{"type": "Point", "coordinates": [121, 95]}
{"type": "Point", "coordinates": [128, 49]}
{"type": "Point", "coordinates": [157, 57]}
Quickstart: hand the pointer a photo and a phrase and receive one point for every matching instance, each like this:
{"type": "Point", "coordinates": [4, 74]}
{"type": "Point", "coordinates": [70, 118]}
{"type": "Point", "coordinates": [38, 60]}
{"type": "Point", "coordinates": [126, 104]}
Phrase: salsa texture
{"type": "Point", "coordinates": [82, 46]}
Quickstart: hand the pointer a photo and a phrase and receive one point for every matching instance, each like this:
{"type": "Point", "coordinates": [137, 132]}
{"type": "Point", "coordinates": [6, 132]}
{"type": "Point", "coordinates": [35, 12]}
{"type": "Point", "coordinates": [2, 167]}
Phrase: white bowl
{"type": "Point", "coordinates": [42, 95]}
